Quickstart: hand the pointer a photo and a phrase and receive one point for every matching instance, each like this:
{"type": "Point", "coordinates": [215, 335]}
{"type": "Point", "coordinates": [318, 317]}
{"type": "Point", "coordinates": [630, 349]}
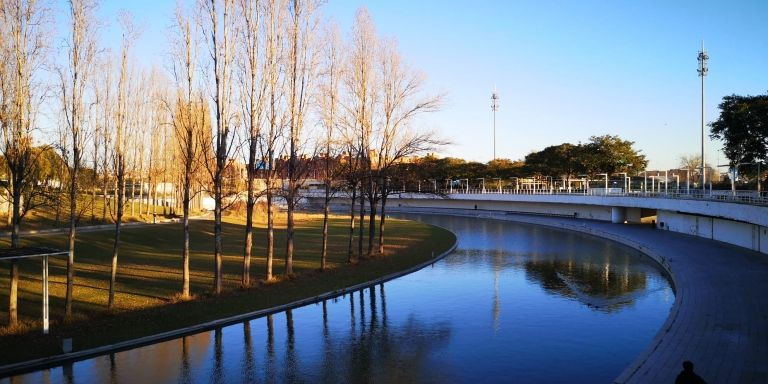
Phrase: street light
{"type": "Point", "coordinates": [703, 57]}
{"type": "Point", "coordinates": [625, 180]}
{"type": "Point", "coordinates": [677, 183]}
{"type": "Point", "coordinates": [494, 108]}
{"type": "Point", "coordinates": [517, 187]}
{"type": "Point", "coordinates": [606, 181]}
{"type": "Point", "coordinates": [466, 185]}
{"type": "Point", "coordinates": [645, 181]}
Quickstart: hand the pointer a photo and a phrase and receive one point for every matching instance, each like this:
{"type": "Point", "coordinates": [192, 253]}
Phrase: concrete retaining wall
{"type": "Point", "coordinates": [739, 224]}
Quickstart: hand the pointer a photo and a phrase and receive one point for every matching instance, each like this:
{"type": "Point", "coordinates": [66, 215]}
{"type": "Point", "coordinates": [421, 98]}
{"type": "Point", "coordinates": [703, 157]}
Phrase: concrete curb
{"type": "Point", "coordinates": [31, 365]}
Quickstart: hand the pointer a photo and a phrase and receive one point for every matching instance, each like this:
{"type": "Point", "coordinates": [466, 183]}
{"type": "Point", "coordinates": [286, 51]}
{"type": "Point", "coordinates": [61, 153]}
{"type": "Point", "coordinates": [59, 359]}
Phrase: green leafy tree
{"type": "Point", "coordinates": [557, 160]}
{"type": "Point", "coordinates": [610, 154]}
{"type": "Point", "coordinates": [743, 128]}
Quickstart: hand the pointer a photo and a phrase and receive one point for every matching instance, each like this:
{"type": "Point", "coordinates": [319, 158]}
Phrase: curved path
{"type": "Point", "coordinates": [720, 316]}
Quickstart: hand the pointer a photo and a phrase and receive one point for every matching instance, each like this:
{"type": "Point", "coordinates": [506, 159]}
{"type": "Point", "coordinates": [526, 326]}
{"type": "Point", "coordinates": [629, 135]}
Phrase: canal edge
{"type": "Point", "coordinates": [52, 361]}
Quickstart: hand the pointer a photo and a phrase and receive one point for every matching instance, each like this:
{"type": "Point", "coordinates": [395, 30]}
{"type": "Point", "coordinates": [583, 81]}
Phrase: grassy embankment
{"type": "Point", "coordinates": [149, 279]}
{"type": "Point", "coordinates": [91, 213]}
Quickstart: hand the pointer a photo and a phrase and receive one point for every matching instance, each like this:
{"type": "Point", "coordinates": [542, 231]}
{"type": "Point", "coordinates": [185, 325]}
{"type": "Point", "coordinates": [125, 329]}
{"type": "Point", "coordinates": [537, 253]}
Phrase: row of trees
{"type": "Point", "coordinates": [601, 154]}
{"type": "Point", "coordinates": [269, 83]}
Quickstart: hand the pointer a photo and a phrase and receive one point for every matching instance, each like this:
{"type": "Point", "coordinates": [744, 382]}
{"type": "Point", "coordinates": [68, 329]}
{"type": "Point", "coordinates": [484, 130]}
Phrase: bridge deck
{"type": "Point", "coordinates": [720, 317]}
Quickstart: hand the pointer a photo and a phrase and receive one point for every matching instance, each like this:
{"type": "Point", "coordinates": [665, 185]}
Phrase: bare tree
{"type": "Point", "coordinates": [185, 123]}
{"type": "Point", "coordinates": [402, 100]}
{"type": "Point", "coordinates": [104, 99]}
{"type": "Point", "coordinates": [121, 125]}
{"type": "Point", "coordinates": [23, 50]}
{"type": "Point", "coordinates": [219, 32]}
{"type": "Point", "coordinates": [301, 71]}
{"type": "Point", "coordinates": [328, 101]}
{"type": "Point", "coordinates": [270, 145]}
{"type": "Point", "coordinates": [75, 78]}
{"type": "Point", "coordinates": [360, 85]}
{"type": "Point", "coordinates": [253, 92]}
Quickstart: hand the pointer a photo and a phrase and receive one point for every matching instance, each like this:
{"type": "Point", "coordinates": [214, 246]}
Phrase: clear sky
{"type": "Point", "coordinates": [565, 70]}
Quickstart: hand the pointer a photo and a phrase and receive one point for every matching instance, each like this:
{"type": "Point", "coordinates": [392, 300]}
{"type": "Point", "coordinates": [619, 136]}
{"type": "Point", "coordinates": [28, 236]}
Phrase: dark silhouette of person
{"type": "Point", "coordinates": [687, 376]}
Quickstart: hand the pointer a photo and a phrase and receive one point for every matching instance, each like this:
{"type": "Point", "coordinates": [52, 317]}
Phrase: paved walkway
{"type": "Point", "coordinates": [720, 317]}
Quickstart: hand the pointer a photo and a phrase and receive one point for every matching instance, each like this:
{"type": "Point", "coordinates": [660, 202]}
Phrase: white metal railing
{"type": "Point", "coordinates": [742, 197]}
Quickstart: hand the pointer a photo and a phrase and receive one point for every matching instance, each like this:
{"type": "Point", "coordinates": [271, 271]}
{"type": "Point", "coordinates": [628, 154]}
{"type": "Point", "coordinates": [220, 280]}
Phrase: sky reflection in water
{"type": "Point", "coordinates": [514, 303]}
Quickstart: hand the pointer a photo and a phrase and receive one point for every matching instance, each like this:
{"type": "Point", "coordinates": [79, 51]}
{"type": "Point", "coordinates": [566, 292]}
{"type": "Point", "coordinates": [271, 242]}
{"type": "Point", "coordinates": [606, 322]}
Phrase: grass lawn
{"type": "Point", "coordinates": [149, 279]}
{"type": "Point", "coordinates": [91, 212]}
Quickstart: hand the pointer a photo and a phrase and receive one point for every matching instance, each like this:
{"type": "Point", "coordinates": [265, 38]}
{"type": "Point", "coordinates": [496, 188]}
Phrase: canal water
{"type": "Point", "coordinates": [514, 303]}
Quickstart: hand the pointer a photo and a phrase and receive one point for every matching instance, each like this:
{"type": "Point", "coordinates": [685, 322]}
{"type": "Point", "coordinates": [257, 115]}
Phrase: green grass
{"type": "Point", "coordinates": [90, 213]}
{"type": "Point", "coordinates": [149, 279]}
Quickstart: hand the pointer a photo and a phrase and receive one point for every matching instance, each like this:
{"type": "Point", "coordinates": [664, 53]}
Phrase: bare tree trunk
{"type": "Point", "coordinates": [326, 210]}
{"type": "Point", "coordinates": [383, 218]}
{"type": "Point", "coordinates": [14, 269]}
{"type": "Point", "coordinates": [118, 222]}
{"type": "Point", "coordinates": [13, 317]}
{"type": "Point", "coordinates": [141, 187]}
{"type": "Point", "coordinates": [270, 231]}
{"type": "Point", "coordinates": [289, 236]}
{"type": "Point", "coordinates": [185, 251]}
{"type": "Point", "coordinates": [350, 252]}
{"type": "Point", "coordinates": [361, 228]}
{"type": "Point", "coordinates": [371, 221]}
{"type": "Point", "coordinates": [249, 204]}
{"type": "Point", "coordinates": [71, 239]}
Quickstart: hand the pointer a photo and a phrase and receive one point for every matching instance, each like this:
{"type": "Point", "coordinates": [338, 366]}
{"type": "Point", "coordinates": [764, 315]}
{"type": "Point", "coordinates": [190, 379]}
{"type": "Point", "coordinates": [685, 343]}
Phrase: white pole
{"type": "Point", "coordinates": [45, 295]}
{"type": "Point", "coordinates": [645, 181]}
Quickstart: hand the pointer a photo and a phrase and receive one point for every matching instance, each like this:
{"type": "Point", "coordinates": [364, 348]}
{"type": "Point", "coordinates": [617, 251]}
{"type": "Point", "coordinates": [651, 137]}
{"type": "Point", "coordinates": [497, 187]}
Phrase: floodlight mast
{"type": "Point", "coordinates": [494, 108]}
{"type": "Point", "coordinates": [702, 70]}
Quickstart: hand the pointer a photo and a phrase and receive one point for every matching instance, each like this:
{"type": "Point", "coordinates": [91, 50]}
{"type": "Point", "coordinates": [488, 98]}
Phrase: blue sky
{"type": "Point", "coordinates": [565, 70]}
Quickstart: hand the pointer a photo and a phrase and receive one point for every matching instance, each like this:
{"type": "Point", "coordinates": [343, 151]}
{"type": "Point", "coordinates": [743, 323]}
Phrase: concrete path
{"type": "Point", "coordinates": [720, 317]}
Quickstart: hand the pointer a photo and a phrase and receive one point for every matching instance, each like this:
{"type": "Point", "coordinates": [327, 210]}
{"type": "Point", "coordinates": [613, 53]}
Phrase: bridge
{"type": "Point", "coordinates": [736, 218]}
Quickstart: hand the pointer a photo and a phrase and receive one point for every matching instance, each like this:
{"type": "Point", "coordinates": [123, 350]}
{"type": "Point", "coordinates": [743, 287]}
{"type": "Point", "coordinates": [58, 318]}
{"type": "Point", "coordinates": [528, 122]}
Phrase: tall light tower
{"type": "Point", "coordinates": [494, 108]}
{"type": "Point", "coordinates": [703, 57]}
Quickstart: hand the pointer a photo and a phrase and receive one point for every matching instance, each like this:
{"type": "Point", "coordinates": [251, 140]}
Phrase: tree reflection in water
{"type": "Point", "coordinates": [599, 284]}
{"type": "Point", "coordinates": [382, 353]}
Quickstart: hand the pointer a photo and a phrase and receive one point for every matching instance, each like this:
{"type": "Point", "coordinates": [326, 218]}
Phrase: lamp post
{"type": "Point", "coordinates": [494, 108]}
{"type": "Point", "coordinates": [677, 183]}
{"type": "Point", "coordinates": [645, 181]}
{"type": "Point", "coordinates": [624, 178]}
{"type": "Point", "coordinates": [498, 183]}
{"type": "Point", "coordinates": [703, 57]}
{"type": "Point", "coordinates": [606, 182]}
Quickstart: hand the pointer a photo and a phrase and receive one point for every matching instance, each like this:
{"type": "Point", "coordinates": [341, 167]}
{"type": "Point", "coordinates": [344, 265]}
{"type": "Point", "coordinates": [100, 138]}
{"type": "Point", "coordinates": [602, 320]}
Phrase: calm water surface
{"type": "Point", "coordinates": [514, 303]}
